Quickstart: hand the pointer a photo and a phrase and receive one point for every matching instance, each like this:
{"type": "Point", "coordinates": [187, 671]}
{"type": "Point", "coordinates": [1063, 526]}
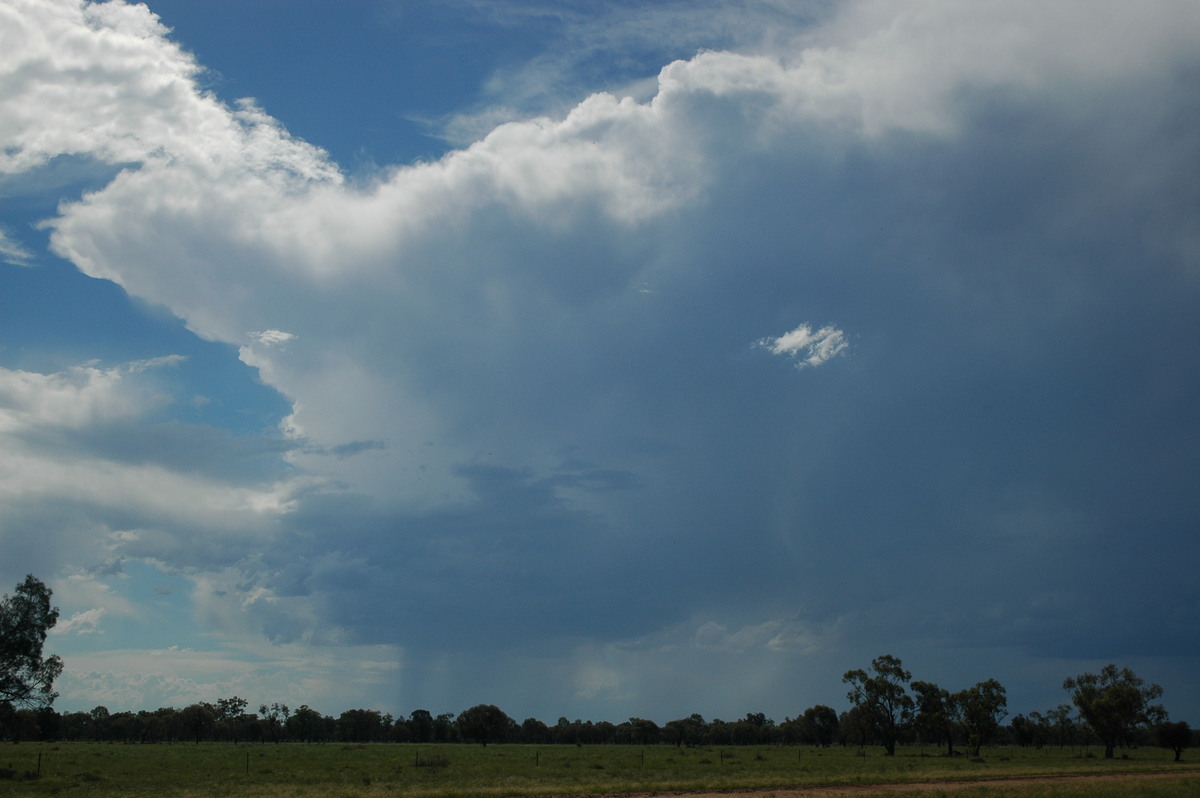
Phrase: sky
{"type": "Point", "coordinates": [601, 359]}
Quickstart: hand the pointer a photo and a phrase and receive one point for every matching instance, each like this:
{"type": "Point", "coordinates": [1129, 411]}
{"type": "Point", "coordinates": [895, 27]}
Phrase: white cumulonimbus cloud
{"type": "Point", "coordinates": [808, 347]}
{"type": "Point", "coordinates": [485, 390]}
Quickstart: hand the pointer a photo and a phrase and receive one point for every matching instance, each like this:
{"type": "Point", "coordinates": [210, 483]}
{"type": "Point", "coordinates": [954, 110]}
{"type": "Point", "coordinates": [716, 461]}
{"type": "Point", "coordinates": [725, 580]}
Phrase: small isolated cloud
{"type": "Point", "coordinates": [808, 347]}
{"type": "Point", "coordinates": [12, 252]}
{"type": "Point", "coordinates": [272, 337]}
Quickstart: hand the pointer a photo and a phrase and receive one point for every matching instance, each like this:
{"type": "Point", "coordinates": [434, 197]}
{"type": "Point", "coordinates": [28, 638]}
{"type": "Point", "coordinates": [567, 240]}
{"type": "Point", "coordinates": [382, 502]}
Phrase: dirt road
{"type": "Point", "coordinates": [1130, 780]}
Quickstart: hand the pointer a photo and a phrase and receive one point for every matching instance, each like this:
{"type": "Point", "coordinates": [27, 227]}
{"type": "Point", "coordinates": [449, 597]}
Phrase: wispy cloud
{"type": "Point", "coordinates": [13, 252]}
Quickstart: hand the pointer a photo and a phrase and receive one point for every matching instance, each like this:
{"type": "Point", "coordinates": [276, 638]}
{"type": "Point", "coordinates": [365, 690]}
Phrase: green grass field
{"type": "Point", "coordinates": [462, 771]}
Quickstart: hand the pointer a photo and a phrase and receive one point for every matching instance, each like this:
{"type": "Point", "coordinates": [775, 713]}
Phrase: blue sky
{"type": "Point", "coordinates": [596, 360]}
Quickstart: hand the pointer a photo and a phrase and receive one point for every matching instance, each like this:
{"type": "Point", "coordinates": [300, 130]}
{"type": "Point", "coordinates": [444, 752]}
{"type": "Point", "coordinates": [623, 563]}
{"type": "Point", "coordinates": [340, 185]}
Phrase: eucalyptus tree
{"type": "Point", "coordinates": [981, 708]}
{"type": "Point", "coordinates": [1116, 703]}
{"type": "Point", "coordinates": [275, 718]}
{"type": "Point", "coordinates": [883, 696]}
{"type": "Point", "coordinates": [27, 677]}
{"type": "Point", "coordinates": [1176, 736]}
{"type": "Point", "coordinates": [936, 713]}
{"type": "Point", "coordinates": [819, 725]}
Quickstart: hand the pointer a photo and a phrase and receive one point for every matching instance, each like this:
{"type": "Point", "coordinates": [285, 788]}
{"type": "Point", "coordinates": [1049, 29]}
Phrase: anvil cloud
{"type": "Point", "coordinates": [841, 331]}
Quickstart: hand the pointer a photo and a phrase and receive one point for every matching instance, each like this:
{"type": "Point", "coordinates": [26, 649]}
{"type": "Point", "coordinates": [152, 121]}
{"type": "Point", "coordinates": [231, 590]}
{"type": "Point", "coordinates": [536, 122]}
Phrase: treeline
{"type": "Point", "coordinates": [227, 721]}
{"type": "Point", "coordinates": [1112, 708]}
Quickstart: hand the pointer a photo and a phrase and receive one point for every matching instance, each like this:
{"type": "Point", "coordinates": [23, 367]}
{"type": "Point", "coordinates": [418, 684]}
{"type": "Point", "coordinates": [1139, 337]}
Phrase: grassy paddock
{"type": "Point", "coordinates": [468, 771]}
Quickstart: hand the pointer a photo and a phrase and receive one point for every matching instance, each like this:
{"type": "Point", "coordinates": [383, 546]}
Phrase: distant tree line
{"type": "Point", "coordinates": [1113, 708]}
{"type": "Point", "coordinates": [228, 721]}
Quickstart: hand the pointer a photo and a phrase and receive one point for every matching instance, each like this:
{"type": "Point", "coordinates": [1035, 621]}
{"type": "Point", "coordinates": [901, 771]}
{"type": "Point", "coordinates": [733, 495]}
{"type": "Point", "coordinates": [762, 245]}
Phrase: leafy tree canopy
{"type": "Point", "coordinates": [26, 677]}
{"type": "Point", "coordinates": [1176, 736]}
{"type": "Point", "coordinates": [982, 707]}
{"type": "Point", "coordinates": [1115, 703]}
{"type": "Point", "coordinates": [882, 694]}
{"type": "Point", "coordinates": [484, 723]}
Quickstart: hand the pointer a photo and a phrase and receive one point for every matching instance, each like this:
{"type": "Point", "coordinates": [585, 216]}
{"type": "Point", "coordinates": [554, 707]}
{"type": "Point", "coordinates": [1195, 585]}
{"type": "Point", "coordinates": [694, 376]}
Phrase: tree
{"type": "Point", "coordinates": [1176, 736]}
{"type": "Point", "coordinates": [197, 720]}
{"type": "Point", "coordinates": [1115, 703]}
{"type": "Point", "coordinates": [19, 724]}
{"type": "Point", "coordinates": [26, 677]}
{"type": "Point", "coordinates": [936, 713]}
{"type": "Point", "coordinates": [883, 697]}
{"type": "Point", "coordinates": [231, 717]}
{"type": "Point", "coordinates": [444, 728]}
{"type": "Point", "coordinates": [362, 726]}
{"type": "Point", "coordinates": [855, 726]}
{"type": "Point", "coordinates": [718, 733]}
{"type": "Point", "coordinates": [1038, 729]}
{"type": "Point", "coordinates": [982, 707]}
{"type": "Point", "coordinates": [100, 722]}
{"type": "Point", "coordinates": [819, 725]}
{"type": "Point", "coordinates": [687, 731]}
{"type": "Point", "coordinates": [638, 731]}
{"type": "Point", "coordinates": [421, 725]}
{"type": "Point", "coordinates": [1061, 724]}
{"type": "Point", "coordinates": [534, 731]}
{"type": "Point", "coordinates": [754, 729]}
{"type": "Point", "coordinates": [306, 724]}
{"type": "Point", "coordinates": [1026, 731]}
{"type": "Point", "coordinates": [50, 722]}
{"type": "Point", "coordinates": [483, 723]}
{"type": "Point", "coordinates": [275, 717]}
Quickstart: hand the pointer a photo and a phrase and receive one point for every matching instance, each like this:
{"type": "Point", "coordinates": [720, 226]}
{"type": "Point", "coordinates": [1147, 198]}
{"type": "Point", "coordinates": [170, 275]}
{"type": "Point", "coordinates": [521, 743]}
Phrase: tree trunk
{"type": "Point", "coordinates": [1108, 750]}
